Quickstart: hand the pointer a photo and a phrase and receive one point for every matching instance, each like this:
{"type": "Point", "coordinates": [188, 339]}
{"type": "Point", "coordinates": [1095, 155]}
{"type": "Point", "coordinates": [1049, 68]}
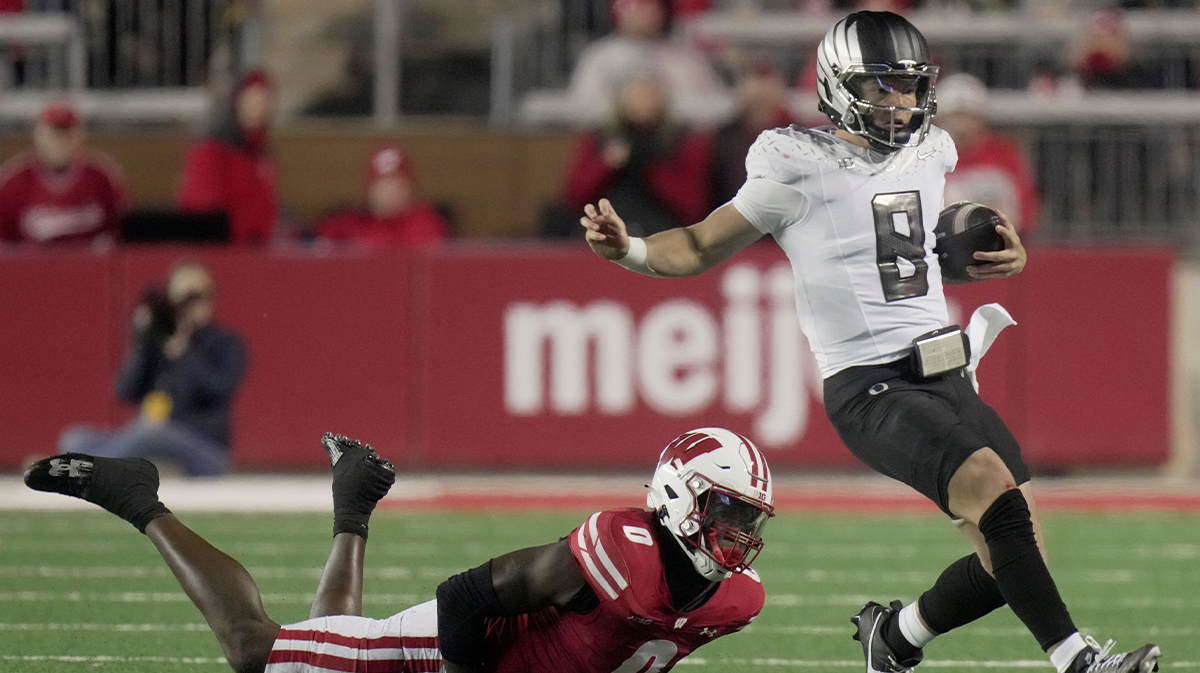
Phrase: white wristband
{"type": "Point", "coordinates": [635, 259]}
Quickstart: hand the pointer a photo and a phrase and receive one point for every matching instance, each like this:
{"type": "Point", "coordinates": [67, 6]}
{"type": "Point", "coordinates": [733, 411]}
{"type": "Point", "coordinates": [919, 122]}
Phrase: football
{"type": "Point", "coordinates": [963, 229]}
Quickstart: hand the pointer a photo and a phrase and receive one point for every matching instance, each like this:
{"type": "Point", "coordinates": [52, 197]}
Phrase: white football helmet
{"type": "Point", "coordinates": [883, 48]}
{"type": "Point", "coordinates": [712, 490]}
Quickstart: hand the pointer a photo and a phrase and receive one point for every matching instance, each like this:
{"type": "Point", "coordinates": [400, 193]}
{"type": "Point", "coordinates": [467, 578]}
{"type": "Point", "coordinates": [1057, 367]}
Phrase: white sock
{"type": "Point", "coordinates": [1067, 651]}
{"type": "Point", "coordinates": [912, 629]}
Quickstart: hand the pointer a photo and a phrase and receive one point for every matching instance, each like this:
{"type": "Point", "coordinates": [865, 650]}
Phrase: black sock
{"type": "Point", "coordinates": [963, 593]}
{"type": "Point", "coordinates": [1021, 574]}
{"type": "Point", "coordinates": [353, 497]}
{"type": "Point", "coordinates": [144, 515]}
{"type": "Point", "coordinates": [349, 517]}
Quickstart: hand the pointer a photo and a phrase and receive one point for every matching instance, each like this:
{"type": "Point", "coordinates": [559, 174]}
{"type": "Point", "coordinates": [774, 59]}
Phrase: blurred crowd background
{"type": "Point", "coordinates": [313, 127]}
{"type": "Point", "coordinates": [1076, 117]}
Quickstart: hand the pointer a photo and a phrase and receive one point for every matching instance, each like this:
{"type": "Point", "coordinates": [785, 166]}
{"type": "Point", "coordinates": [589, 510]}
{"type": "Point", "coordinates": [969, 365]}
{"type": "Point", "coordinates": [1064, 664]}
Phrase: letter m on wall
{"type": "Point", "coordinates": [576, 342]}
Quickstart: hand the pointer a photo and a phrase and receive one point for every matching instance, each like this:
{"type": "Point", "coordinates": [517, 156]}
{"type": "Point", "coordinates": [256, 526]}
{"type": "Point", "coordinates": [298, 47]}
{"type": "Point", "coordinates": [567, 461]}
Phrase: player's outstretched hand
{"type": "Point", "coordinates": [605, 230]}
{"type": "Point", "coordinates": [1002, 263]}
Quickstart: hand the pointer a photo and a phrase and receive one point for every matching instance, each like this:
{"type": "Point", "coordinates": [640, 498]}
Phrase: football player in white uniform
{"type": "Point", "coordinates": [854, 206]}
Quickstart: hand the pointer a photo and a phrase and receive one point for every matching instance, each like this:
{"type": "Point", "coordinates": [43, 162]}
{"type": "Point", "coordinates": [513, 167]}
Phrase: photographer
{"type": "Point", "coordinates": [183, 371]}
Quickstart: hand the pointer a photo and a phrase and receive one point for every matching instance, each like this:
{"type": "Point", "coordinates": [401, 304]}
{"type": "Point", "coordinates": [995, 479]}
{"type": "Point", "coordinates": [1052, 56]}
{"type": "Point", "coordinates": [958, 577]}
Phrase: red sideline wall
{"type": "Point", "coordinates": [542, 356]}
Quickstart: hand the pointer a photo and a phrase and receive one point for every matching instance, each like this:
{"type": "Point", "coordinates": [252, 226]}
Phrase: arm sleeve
{"type": "Point", "coordinates": [772, 198]}
{"type": "Point", "coordinates": [464, 603]}
{"type": "Point", "coordinates": [138, 372]}
{"type": "Point", "coordinates": [203, 179]}
{"type": "Point", "coordinates": [216, 373]}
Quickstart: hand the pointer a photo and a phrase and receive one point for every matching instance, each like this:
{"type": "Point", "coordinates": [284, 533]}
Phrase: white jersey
{"type": "Point", "coordinates": [858, 227]}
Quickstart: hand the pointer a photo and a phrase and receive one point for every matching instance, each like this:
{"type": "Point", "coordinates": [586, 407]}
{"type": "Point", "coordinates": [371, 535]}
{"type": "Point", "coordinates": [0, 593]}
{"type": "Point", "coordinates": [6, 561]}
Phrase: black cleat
{"type": "Point", "coordinates": [879, 655]}
{"type": "Point", "coordinates": [360, 479]}
{"type": "Point", "coordinates": [127, 487]}
{"type": "Point", "coordinates": [1096, 659]}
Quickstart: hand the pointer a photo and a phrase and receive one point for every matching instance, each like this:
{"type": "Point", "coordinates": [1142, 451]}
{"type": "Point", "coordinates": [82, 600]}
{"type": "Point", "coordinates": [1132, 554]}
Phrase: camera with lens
{"type": "Point", "coordinates": [163, 313]}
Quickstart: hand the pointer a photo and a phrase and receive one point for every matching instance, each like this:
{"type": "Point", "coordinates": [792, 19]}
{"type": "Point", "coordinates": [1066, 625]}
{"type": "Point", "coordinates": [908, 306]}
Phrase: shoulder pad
{"type": "Point", "coordinates": [943, 144]}
{"type": "Point", "coordinates": [786, 155]}
{"type": "Point", "coordinates": [616, 549]}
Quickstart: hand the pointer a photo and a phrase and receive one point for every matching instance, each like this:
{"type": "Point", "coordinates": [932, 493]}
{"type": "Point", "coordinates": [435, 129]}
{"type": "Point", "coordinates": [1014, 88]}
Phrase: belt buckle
{"type": "Point", "coordinates": [941, 351]}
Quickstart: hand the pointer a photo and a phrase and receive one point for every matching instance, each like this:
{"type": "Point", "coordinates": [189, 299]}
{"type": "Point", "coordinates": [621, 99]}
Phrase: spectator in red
{"type": "Point", "coordinates": [648, 165]}
{"type": "Point", "coordinates": [762, 104]}
{"type": "Point", "coordinates": [394, 214]}
{"type": "Point", "coordinates": [58, 193]}
{"type": "Point", "coordinates": [232, 170]}
{"type": "Point", "coordinates": [991, 170]}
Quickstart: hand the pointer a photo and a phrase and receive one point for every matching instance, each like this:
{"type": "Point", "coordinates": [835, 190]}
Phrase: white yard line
{"type": "Point", "coordinates": [693, 661]}
{"type": "Point", "coordinates": [118, 628]}
{"type": "Point", "coordinates": [257, 572]}
{"type": "Point", "coordinates": [857, 663]}
{"type": "Point", "coordinates": [773, 600]}
{"type": "Point", "coordinates": [103, 659]}
{"type": "Point", "coordinates": [398, 600]}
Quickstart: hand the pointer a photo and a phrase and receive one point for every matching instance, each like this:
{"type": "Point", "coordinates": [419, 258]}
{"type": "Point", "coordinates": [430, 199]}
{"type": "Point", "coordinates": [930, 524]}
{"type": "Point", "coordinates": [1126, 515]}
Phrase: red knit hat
{"type": "Point", "coordinates": [60, 115]}
{"type": "Point", "coordinates": [255, 77]}
{"type": "Point", "coordinates": [387, 160]}
{"type": "Point", "coordinates": [619, 7]}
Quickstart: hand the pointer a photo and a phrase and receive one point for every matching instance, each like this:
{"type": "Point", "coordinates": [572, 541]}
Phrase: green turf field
{"type": "Point", "coordinates": [81, 592]}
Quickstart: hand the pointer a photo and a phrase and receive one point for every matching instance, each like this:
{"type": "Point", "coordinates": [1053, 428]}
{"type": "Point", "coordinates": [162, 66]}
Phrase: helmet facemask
{"type": "Point", "coordinates": [725, 526]}
{"type": "Point", "coordinates": [859, 83]}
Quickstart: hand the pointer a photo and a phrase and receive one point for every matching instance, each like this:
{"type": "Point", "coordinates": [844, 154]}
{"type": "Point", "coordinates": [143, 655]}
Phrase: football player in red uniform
{"type": "Point", "coordinates": [628, 591]}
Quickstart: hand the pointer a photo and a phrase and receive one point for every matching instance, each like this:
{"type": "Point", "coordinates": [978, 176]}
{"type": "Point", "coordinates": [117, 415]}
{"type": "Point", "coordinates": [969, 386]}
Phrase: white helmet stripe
{"type": "Point", "coordinates": [608, 564]}
{"type": "Point", "coordinates": [852, 43]}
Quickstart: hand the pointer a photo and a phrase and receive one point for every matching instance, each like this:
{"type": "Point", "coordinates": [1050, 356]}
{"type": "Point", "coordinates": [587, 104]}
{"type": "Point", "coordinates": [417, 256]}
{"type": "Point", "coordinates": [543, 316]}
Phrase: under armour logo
{"type": "Point", "coordinates": [709, 632]}
{"type": "Point", "coordinates": [73, 468]}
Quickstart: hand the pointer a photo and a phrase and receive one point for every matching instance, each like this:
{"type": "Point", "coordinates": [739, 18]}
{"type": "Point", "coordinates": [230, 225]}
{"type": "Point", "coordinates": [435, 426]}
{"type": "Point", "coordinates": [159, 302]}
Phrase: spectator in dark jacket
{"type": "Point", "coordinates": [394, 214]}
{"type": "Point", "coordinates": [654, 170]}
{"type": "Point", "coordinates": [183, 371]}
{"type": "Point", "coordinates": [232, 170]}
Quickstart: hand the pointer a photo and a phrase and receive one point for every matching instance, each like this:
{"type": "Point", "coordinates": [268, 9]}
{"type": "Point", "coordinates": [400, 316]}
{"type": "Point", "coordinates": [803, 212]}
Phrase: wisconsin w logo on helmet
{"type": "Point", "coordinates": [712, 490]}
{"type": "Point", "coordinates": [875, 79]}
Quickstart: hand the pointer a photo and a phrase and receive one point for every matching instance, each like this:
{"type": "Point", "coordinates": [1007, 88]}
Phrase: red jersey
{"type": "Point", "coordinates": [418, 226]}
{"type": "Point", "coordinates": [220, 177]}
{"type": "Point", "coordinates": [634, 628]}
{"type": "Point", "coordinates": [74, 205]}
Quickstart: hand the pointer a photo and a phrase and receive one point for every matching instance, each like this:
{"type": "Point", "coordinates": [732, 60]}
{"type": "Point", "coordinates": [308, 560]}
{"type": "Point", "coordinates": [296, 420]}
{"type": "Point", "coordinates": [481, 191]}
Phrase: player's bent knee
{"type": "Point", "coordinates": [977, 483]}
{"type": "Point", "coordinates": [248, 646]}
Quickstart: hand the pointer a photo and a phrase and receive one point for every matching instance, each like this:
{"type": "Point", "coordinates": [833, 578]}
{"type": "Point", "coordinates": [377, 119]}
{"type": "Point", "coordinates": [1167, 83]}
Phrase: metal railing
{"type": "Point", "coordinates": [1004, 50]}
{"type": "Point", "coordinates": [143, 43]}
{"type": "Point", "coordinates": [52, 48]}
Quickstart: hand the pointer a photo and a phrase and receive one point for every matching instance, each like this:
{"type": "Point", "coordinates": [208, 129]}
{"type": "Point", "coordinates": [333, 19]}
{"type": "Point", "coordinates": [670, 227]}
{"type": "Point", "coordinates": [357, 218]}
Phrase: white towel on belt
{"type": "Point", "coordinates": [986, 324]}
